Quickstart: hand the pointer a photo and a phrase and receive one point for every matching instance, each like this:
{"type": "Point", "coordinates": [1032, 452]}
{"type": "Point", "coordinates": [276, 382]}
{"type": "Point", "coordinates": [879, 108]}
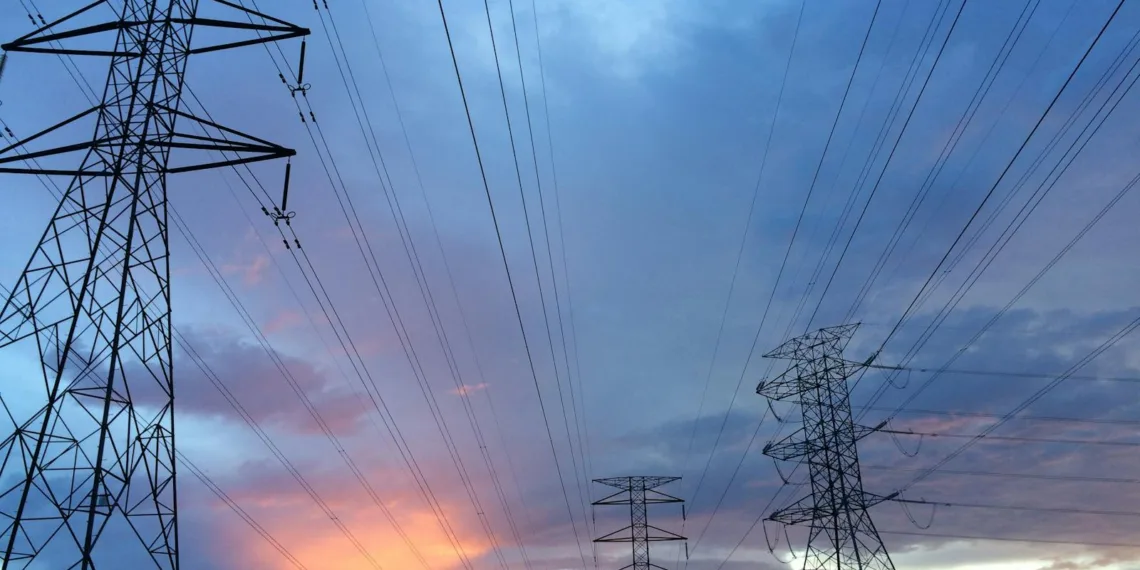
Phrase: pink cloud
{"type": "Point", "coordinates": [282, 321]}
{"type": "Point", "coordinates": [252, 273]}
{"type": "Point", "coordinates": [466, 390]}
{"type": "Point", "coordinates": [257, 381]}
{"type": "Point", "coordinates": [291, 515]}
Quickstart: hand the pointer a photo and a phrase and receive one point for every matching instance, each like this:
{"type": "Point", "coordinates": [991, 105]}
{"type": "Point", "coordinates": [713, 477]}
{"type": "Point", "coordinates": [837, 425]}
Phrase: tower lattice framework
{"type": "Point", "coordinates": [842, 535]}
{"type": "Point", "coordinates": [87, 475]}
{"type": "Point", "coordinates": [639, 492]}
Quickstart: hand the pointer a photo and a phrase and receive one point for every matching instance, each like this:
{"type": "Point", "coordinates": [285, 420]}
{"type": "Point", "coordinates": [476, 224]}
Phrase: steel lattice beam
{"type": "Point", "coordinates": [638, 492]}
{"type": "Point", "coordinates": [842, 535]}
{"type": "Point", "coordinates": [87, 480]}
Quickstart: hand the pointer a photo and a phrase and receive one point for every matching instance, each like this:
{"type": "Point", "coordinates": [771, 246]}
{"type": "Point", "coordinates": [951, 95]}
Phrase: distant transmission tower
{"type": "Point", "coordinates": [639, 493]}
{"type": "Point", "coordinates": [842, 535]}
{"type": "Point", "coordinates": [87, 478]}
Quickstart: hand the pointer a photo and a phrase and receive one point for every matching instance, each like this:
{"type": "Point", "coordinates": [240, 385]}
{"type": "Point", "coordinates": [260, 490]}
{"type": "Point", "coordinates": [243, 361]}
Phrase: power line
{"type": "Point", "coordinates": [1007, 373]}
{"type": "Point", "coordinates": [530, 241]}
{"type": "Point", "coordinates": [925, 45]}
{"type": "Point", "coordinates": [429, 300]}
{"type": "Point", "coordinates": [510, 280]}
{"type": "Point", "coordinates": [1102, 421]}
{"type": "Point", "coordinates": [998, 474]}
{"type": "Point", "coordinates": [183, 228]}
{"type": "Point", "coordinates": [238, 510]}
{"type": "Point", "coordinates": [948, 151]}
{"type": "Point", "coordinates": [197, 472]}
{"type": "Point", "coordinates": [1085, 360]}
{"type": "Point", "coordinates": [87, 280]}
{"type": "Point", "coordinates": [562, 250]}
{"type": "Point", "coordinates": [412, 357]}
{"type": "Point", "coordinates": [735, 274]}
{"type": "Point", "coordinates": [1001, 177]}
{"type": "Point", "coordinates": [890, 156]}
{"type": "Point", "coordinates": [459, 304]}
{"type": "Point", "coordinates": [1025, 508]}
{"type": "Point", "coordinates": [728, 486]}
{"type": "Point", "coordinates": [1005, 539]}
{"type": "Point", "coordinates": [985, 435]}
{"type": "Point", "coordinates": [578, 418]}
{"type": "Point", "coordinates": [253, 424]}
{"type": "Point", "coordinates": [909, 78]}
{"type": "Point", "coordinates": [791, 323]}
{"type": "Point", "coordinates": [991, 255]}
{"type": "Point", "coordinates": [791, 243]}
{"type": "Point", "coordinates": [213, 270]}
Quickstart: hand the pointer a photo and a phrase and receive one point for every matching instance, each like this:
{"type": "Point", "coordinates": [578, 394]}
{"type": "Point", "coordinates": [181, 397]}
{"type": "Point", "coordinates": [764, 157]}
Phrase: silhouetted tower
{"type": "Point", "coordinates": [842, 535]}
{"type": "Point", "coordinates": [639, 492]}
{"type": "Point", "coordinates": [87, 478]}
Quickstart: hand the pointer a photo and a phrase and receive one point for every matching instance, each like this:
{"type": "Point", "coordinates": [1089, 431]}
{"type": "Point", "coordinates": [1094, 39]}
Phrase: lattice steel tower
{"type": "Point", "coordinates": [639, 492]}
{"type": "Point", "coordinates": [87, 477]}
{"type": "Point", "coordinates": [842, 535]}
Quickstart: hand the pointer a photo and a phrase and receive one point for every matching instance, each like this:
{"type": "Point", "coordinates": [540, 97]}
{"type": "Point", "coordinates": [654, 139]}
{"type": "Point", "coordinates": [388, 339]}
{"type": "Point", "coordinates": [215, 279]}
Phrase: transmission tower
{"type": "Point", "coordinates": [87, 477]}
{"type": "Point", "coordinates": [639, 492]}
{"type": "Point", "coordinates": [842, 535]}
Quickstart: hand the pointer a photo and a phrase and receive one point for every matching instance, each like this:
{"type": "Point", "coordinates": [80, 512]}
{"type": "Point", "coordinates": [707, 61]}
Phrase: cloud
{"type": "Point", "coordinates": [269, 386]}
{"type": "Point", "coordinates": [634, 38]}
{"type": "Point", "coordinates": [291, 515]}
{"type": "Point", "coordinates": [252, 272]}
{"type": "Point", "coordinates": [984, 476]}
{"type": "Point", "coordinates": [466, 390]}
{"type": "Point", "coordinates": [283, 320]}
{"type": "Point", "coordinates": [650, 259]}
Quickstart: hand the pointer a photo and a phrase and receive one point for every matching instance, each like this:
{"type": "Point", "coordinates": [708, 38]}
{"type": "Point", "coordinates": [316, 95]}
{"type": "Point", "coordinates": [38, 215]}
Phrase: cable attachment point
{"type": "Point", "coordinates": [772, 547]}
{"type": "Point", "coordinates": [898, 444]}
{"type": "Point", "coordinates": [871, 359]}
{"type": "Point", "coordinates": [783, 477]}
{"type": "Point", "coordinates": [283, 212]}
{"type": "Point", "coordinates": [301, 87]}
{"type": "Point", "coordinates": [773, 412]}
{"type": "Point", "coordinates": [896, 385]}
{"type": "Point", "coordinates": [910, 516]}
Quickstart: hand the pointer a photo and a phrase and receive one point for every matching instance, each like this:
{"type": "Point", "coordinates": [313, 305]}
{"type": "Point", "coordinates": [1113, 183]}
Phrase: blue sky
{"type": "Point", "coordinates": [662, 117]}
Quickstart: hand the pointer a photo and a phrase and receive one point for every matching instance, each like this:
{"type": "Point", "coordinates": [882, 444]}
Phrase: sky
{"type": "Point", "coordinates": [684, 186]}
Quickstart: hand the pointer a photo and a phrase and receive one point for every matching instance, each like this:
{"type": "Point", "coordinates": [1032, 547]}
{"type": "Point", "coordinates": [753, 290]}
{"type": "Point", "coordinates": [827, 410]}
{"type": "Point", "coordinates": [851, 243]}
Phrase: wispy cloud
{"type": "Point", "coordinates": [467, 390]}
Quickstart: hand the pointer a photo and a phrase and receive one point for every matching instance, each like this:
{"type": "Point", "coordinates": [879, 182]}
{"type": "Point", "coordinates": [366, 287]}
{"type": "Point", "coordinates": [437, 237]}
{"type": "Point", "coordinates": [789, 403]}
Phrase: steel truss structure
{"type": "Point", "coordinates": [842, 535]}
{"type": "Point", "coordinates": [639, 492]}
{"type": "Point", "coordinates": [87, 476]}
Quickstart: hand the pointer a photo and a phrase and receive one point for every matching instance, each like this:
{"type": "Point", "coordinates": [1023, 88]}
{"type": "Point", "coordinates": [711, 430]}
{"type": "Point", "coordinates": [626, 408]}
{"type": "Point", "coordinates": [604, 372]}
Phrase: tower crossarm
{"type": "Point", "coordinates": [40, 41]}
{"type": "Point", "coordinates": [793, 446]}
{"type": "Point", "coordinates": [638, 492]}
{"type": "Point", "coordinates": [93, 464]}
{"type": "Point", "coordinates": [842, 535]}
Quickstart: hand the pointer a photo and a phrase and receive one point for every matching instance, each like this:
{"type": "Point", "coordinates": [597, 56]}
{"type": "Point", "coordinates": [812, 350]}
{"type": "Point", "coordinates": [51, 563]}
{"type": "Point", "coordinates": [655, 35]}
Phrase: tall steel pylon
{"type": "Point", "coordinates": [639, 492]}
{"type": "Point", "coordinates": [842, 535]}
{"type": "Point", "coordinates": [87, 476]}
